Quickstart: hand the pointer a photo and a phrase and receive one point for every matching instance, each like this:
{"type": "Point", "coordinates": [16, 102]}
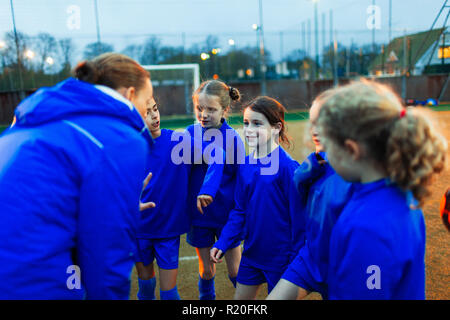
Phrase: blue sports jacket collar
{"type": "Point", "coordinates": [71, 98]}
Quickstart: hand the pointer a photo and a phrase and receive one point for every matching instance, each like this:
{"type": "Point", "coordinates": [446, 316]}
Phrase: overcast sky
{"type": "Point", "coordinates": [124, 22]}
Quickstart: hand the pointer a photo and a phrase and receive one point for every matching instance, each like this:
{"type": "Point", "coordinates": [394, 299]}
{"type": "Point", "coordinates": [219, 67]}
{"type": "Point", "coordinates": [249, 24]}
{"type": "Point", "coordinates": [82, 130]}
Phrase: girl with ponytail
{"type": "Point", "coordinates": [212, 100]}
{"type": "Point", "coordinates": [377, 247]}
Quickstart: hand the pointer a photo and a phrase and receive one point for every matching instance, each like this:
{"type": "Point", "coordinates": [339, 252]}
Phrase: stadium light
{"type": "Point", "coordinates": [50, 61]}
{"type": "Point", "coordinates": [231, 42]}
{"type": "Point", "coordinates": [29, 54]}
{"type": "Point", "coordinates": [204, 56]}
{"type": "Point", "coordinates": [255, 26]}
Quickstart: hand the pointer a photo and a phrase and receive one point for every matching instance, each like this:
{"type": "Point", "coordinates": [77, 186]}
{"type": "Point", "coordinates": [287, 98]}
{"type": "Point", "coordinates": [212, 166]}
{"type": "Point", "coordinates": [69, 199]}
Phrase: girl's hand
{"type": "Point", "coordinates": [147, 205]}
{"type": "Point", "coordinates": [215, 255]}
{"type": "Point", "coordinates": [203, 200]}
{"type": "Point", "coordinates": [319, 158]}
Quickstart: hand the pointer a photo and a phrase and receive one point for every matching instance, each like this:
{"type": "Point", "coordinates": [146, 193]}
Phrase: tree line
{"type": "Point", "coordinates": [43, 60]}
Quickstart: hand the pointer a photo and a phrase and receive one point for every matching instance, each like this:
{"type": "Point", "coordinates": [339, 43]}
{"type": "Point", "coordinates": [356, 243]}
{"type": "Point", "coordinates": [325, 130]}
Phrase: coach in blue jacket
{"type": "Point", "coordinates": [71, 173]}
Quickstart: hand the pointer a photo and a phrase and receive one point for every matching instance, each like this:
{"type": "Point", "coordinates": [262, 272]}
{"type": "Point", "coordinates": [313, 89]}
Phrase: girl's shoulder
{"type": "Point", "coordinates": [287, 161]}
{"type": "Point", "coordinates": [191, 128]}
{"type": "Point", "coordinates": [227, 129]}
{"type": "Point", "coordinates": [388, 222]}
{"type": "Point", "coordinates": [166, 135]}
{"type": "Point", "coordinates": [380, 205]}
{"type": "Point", "coordinates": [333, 181]}
{"type": "Point", "coordinates": [166, 132]}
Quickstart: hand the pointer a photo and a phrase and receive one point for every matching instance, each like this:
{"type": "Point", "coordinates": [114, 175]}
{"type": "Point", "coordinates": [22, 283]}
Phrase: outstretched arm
{"type": "Point", "coordinates": [235, 224]}
{"type": "Point", "coordinates": [213, 176]}
{"type": "Point", "coordinates": [146, 205]}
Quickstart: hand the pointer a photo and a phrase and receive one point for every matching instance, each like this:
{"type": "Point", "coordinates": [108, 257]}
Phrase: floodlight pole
{"type": "Point", "coordinates": [316, 27]}
{"type": "Point", "coordinates": [304, 37]}
{"type": "Point", "coordinates": [390, 21]}
{"type": "Point", "coordinates": [335, 59]}
{"type": "Point", "coordinates": [261, 50]}
{"type": "Point", "coordinates": [404, 67]}
{"type": "Point", "coordinates": [98, 27]}
{"type": "Point", "coordinates": [19, 62]}
{"type": "Point", "coordinates": [373, 30]}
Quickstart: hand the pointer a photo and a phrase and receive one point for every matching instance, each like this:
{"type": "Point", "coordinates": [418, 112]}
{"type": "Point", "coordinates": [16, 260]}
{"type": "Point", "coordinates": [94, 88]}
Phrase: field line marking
{"type": "Point", "coordinates": [188, 258]}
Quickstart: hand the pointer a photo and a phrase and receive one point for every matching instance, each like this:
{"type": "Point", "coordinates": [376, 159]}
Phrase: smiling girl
{"type": "Point", "coordinates": [324, 194]}
{"type": "Point", "coordinates": [267, 210]}
{"type": "Point", "coordinates": [211, 101]}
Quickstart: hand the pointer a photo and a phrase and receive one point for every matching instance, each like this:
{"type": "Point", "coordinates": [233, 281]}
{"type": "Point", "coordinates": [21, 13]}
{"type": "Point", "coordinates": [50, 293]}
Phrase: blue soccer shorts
{"type": "Point", "coordinates": [166, 251]}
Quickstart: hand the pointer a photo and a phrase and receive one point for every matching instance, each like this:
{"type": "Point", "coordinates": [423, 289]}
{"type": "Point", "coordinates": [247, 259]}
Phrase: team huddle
{"type": "Point", "coordinates": [345, 222]}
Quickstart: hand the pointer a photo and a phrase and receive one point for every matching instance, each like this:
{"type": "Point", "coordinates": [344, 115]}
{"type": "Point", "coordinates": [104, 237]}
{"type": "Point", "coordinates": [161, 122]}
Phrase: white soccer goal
{"type": "Point", "coordinates": [186, 75]}
{"type": "Point", "coordinates": [194, 69]}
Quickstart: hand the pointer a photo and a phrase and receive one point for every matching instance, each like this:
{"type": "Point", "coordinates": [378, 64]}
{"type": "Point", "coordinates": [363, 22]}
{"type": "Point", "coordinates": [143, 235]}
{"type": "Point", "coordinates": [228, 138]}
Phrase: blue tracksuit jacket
{"type": "Point", "coordinates": [71, 173]}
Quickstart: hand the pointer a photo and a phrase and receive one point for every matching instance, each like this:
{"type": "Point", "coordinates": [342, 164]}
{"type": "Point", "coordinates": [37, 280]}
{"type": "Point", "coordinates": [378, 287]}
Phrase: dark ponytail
{"type": "Point", "coordinates": [226, 94]}
{"type": "Point", "coordinates": [86, 71]}
{"type": "Point", "coordinates": [113, 70]}
{"type": "Point", "coordinates": [235, 95]}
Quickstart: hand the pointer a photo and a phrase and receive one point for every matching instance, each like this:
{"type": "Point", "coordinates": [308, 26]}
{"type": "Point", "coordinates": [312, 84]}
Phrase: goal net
{"type": "Point", "coordinates": [174, 85]}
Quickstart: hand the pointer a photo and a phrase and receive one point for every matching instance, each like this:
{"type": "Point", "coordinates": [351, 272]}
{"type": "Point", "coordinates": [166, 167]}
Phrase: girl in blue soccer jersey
{"type": "Point", "coordinates": [377, 246]}
{"type": "Point", "coordinates": [267, 210]}
{"type": "Point", "coordinates": [211, 102]}
{"type": "Point", "coordinates": [324, 194]}
{"type": "Point", "coordinates": [160, 227]}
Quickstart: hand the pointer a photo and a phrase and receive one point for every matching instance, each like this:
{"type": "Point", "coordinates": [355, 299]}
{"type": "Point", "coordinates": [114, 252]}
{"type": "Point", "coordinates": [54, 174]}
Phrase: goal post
{"type": "Point", "coordinates": [184, 66]}
{"type": "Point", "coordinates": [186, 75]}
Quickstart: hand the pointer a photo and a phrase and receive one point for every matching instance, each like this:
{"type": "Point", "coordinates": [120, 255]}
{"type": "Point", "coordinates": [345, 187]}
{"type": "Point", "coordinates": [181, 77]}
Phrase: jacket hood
{"type": "Point", "coordinates": [309, 170]}
{"type": "Point", "coordinates": [71, 98]}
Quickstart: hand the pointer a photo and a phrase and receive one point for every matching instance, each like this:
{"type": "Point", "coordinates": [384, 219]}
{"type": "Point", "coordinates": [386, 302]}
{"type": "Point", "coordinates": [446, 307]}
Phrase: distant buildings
{"type": "Point", "coordinates": [423, 52]}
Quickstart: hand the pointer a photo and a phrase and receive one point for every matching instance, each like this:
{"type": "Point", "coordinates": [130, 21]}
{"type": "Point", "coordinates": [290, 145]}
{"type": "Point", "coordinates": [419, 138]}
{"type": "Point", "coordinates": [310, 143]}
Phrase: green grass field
{"type": "Point", "coordinates": [182, 121]}
{"type": "Point", "coordinates": [442, 107]}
